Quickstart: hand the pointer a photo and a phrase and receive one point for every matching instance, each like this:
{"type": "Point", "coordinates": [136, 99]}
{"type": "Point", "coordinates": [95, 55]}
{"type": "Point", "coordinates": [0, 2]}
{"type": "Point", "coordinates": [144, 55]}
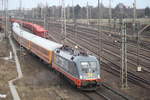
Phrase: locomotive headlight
{"type": "Point", "coordinates": [81, 77]}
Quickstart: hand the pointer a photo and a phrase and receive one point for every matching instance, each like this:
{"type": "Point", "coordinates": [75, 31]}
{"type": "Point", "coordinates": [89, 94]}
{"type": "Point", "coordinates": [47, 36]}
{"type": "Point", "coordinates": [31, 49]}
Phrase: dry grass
{"type": "Point", "coordinates": [7, 70]}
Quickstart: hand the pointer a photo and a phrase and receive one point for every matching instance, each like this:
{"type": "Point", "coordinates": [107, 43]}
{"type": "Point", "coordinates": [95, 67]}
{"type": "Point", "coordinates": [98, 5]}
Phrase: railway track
{"type": "Point", "coordinates": [95, 96]}
{"type": "Point", "coordinates": [93, 34]}
{"type": "Point", "coordinates": [106, 93]}
{"type": "Point", "coordinates": [115, 70]}
{"type": "Point", "coordinates": [111, 43]}
{"type": "Point", "coordinates": [131, 53]}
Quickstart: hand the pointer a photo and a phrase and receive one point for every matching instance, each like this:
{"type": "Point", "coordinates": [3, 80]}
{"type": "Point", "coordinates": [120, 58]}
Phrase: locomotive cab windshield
{"type": "Point", "coordinates": [89, 68]}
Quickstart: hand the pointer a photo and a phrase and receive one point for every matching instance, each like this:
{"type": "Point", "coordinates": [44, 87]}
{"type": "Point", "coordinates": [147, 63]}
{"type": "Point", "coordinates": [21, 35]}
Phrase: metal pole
{"type": "Point", "coordinates": [20, 40]}
{"type": "Point", "coordinates": [53, 11]}
{"type": "Point", "coordinates": [134, 16]}
{"type": "Point", "coordinates": [64, 21]}
{"type": "Point", "coordinates": [45, 13]}
{"type": "Point", "coordinates": [139, 68]}
{"type": "Point", "coordinates": [99, 29]}
{"type": "Point", "coordinates": [20, 5]}
{"type": "Point", "coordinates": [41, 13]}
{"type": "Point", "coordinates": [73, 17]}
{"type": "Point", "coordinates": [124, 79]}
{"type": "Point", "coordinates": [87, 14]}
{"type": "Point", "coordinates": [68, 12]}
{"type": "Point", "coordinates": [45, 26]}
{"type": "Point", "coordinates": [101, 34]}
{"type": "Point", "coordinates": [6, 22]}
{"type": "Point", "coordinates": [62, 25]}
{"type": "Point", "coordinates": [110, 13]}
{"type": "Point", "coordinates": [75, 25]}
{"type": "Point", "coordinates": [134, 11]}
{"type": "Point", "coordinates": [90, 16]}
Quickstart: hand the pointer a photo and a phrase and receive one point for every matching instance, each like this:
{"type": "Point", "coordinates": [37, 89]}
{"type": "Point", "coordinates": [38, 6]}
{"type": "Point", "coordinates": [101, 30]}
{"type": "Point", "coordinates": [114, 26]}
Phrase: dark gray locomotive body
{"type": "Point", "coordinates": [81, 69]}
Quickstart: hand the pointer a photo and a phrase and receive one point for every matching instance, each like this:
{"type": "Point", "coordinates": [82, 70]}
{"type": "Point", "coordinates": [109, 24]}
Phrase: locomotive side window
{"type": "Point", "coordinates": [62, 62]}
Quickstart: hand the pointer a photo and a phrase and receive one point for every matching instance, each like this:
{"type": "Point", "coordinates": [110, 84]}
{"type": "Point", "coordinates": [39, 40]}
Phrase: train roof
{"type": "Point", "coordinates": [73, 55]}
{"type": "Point", "coordinates": [36, 26]}
{"type": "Point", "coordinates": [47, 44]}
{"type": "Point", "coordinates": [39, 28]}
{"type": "Point", "coordinates": [76, 58]}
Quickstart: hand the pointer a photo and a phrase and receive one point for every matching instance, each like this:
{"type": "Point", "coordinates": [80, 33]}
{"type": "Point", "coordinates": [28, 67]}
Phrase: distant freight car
{"type": "Point", "coordinates": [80, 69]}
{"type": "Point", "coordinates": [36, 29]}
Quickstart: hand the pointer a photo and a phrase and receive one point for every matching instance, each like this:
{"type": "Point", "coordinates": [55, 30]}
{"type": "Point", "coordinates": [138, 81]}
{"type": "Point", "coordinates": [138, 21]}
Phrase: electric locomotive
{"type": "Point", "coordinates": [83, 70]}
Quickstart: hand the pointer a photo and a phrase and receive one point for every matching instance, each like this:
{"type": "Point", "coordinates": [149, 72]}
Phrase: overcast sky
{"type": "Point", "coordinates": [13, 4]}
